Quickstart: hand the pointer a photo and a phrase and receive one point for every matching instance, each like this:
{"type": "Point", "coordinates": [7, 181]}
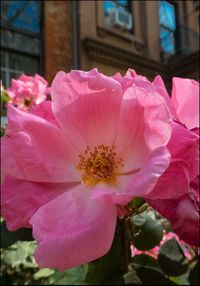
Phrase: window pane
{"type": "Point", "coordinates": [19, 42]}
{"type": "Point", "coordinates": [167, 40]}
{"type": "Point", "coordinates": [25, 64]}
{"type": "Point", "coordinates": [23, 14]}
{"type": "Point", "coordinates": [108, 5]}
{"type": "Point", "coordinates": [167, 15]}
{"type": "Point", "coordinates": [123, 2]}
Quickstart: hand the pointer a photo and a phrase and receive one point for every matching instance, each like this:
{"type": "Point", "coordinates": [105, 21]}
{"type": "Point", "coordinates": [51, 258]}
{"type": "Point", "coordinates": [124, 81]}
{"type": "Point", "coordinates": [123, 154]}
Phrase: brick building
{"type": "Point", "coordinates": [153, 37]}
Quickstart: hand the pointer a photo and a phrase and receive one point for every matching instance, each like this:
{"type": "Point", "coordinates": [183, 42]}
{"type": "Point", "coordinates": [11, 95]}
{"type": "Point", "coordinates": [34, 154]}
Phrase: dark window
{"type": "Point", "coordinates": [21, 39]}
{"type": "Point", "coordinates": [167, 19]}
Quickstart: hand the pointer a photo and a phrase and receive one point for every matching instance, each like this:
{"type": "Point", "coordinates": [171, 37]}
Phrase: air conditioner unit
{"type": "Point", "coordinates": [120, 18]}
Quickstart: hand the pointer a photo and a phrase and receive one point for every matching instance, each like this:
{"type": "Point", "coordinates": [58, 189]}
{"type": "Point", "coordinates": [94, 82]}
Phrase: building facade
{"type": "Point", "coordinates": [152, 37]}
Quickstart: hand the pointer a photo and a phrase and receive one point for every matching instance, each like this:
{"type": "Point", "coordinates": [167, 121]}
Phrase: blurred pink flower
{"type": "Point", "coordinates": [183, 172]}
{"type": "Point", "coordinates": [27, 91]}
{"type": "Point", "coordinates": [70, 163]}
{"type": "Point", "coordinates": [154, 251]}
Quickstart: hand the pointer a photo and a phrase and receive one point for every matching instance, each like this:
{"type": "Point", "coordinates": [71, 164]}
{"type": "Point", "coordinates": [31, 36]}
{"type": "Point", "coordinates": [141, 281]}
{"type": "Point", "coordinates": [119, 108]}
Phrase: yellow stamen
{"type": "Point", "coordinates": [99, 165]}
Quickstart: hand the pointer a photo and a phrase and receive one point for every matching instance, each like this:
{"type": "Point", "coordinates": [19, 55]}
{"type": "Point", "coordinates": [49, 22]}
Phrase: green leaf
{"type": "Point", "coordinates": [150, 276]}
{"type": "Point", "coordinates": [148, 232]}
{"type": "Point", "coordinates": [8, 237]}
{"type": "Point", "coordinates": [45, 272]}
{"type": "Point", "coordinates": [132, 278]}
{"type": "Point", "coordinates": [73, 276]}
{"type": "Point", "coordinates": [18, 254]}
{"type": "Point", "coordinates": [194, 278]}
{"type": "Point", "coordinates": [109, 268]}
{"type": "Point", "coordinates": [172, 259]}
{"type": "Point", "coordinates": [143, 260]}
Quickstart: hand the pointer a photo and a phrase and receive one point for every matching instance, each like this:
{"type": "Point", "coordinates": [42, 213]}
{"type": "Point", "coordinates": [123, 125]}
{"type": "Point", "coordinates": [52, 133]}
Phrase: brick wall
{"type": "Point", "coordinates": [57, 37]}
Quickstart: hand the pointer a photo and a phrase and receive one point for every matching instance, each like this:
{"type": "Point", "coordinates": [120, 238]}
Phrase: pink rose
{"type": "Point", "coordinates": [182, 176]}
{"type": "Point", "coordinates": [27, 91]}
{"type": "Point", "coordinates": [69, 164]}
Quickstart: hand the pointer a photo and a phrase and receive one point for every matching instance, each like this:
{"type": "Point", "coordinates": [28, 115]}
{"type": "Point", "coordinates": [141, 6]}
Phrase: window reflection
{"type": "Point", "coordinates": [167, 20]}
{"type": "Point", "coordinates": [22, 14]}
{"type": "Point", "coordinates": [20, 39]}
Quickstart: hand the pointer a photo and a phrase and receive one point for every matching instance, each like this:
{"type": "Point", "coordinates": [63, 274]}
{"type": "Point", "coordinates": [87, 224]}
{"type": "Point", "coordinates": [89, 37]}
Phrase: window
{"type": "Point", "coordinates": [167, 20]}
{"type": "Point", "coordinates": [20, 39]}
{"type": "Point", "coordinates": [123, 16]}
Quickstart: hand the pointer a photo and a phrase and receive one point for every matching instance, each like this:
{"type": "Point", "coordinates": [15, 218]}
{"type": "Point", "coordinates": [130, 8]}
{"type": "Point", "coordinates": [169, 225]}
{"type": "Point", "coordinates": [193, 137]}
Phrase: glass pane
{"type": "Point", "coordinates": [20, 42]}
{"type": "Point", "coordinates": [123, 2]}
{"type": "Point", "coordinates": [167, 15]}
{"type": "Point", "coordinates": [108, 5]}
{"type": "Point", "coordinates": [23, 14]}
{"type": "Point", "coordinates": [23, 64]}
{"type": "Point", "coordinates": [167, 40]}
{"type": "Point", "coordinates": [2, 58]}
{"type": "Point", "coordinates": [3, 78]}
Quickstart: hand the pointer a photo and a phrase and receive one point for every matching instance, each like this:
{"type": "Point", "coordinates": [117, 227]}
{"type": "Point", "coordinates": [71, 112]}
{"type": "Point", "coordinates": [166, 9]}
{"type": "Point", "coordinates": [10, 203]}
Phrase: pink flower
{"type": "Point", "coordinates": [27, 91]}
{"type": "Point", "coordinates": [182, 176]}
{"type": "Point", "coordinates": [70, 163]}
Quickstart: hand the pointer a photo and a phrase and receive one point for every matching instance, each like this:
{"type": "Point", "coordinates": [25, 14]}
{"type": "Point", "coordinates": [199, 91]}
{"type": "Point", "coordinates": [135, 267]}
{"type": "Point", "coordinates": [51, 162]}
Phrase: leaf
{"type": "Point", "coordinates": [172, 259]}
{"type": "Point", "coordinates": [45, 272]}
{"type": "Point", "coordinates": [73, 276]}
{"type": "Point", "coordinates": [150, 276]}
{"type": "Point", "coordinates": [8, 237]}
{"type": "Point", "coordinates": [18, 254]}
{"type": "Point", "coordinates": [132, 278]}
{"type": "Point", "coordinates": [194, 275]}
{"type": "Point", "coordinates": [148, 232]}
{"type": "Point", "coordinates": [143, 260]}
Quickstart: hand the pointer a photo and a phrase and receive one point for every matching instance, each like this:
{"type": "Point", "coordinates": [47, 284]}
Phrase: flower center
{"type": "Point", "coordinates": [99, 165]}
{"type": "Point", "coordinates": [27, 102]}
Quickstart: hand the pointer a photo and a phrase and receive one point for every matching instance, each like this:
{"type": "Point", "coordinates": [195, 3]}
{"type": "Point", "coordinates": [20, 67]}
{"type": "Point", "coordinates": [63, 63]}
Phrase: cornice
{"type": "Point", "coordinates": [119, 56]}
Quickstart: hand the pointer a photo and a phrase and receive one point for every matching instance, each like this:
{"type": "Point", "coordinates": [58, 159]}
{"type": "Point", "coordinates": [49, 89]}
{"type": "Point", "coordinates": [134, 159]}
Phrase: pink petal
{"type": "Point", "coordinates": [35, 150]}
{"type": "Point", "coordinates": [183, 216]}
{"type": "Point", "coordinates": [86, 105]}
{"type": "Point", "coordinates": [184, 145]}
{"type": "Point", "coordinates": [157, 118]}
{"type": "Point", "coordinates": [73, 230]}
{"type": "Point", "coordinates": [161, 89]}
{"type": "Point", "coordinates": [185, 96]}
{"type": "Point", "coordinates": [44, 110]}
{"type": "Point", "coordinates": [139, 184]}
{"type": "Point", "coordinates": [21, 199]}
{"type": "Point", "coordinates": [130, 142]}
{"type": "Point", "coordinates": [173, 183]}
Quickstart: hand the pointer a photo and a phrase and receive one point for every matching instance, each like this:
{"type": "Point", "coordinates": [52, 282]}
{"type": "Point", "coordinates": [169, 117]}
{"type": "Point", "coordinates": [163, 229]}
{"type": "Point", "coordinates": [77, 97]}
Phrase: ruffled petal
{"type": "Point", "coordinates": [130, 142]}
{"type": "Point", "coordinates": [44, 110]}
{"type": "Point", "coordinates": [86, 105]}
{"type": "Point", "coordinates": [33, 149]}
{"type": "Point", "coordinates": [184, 145]}
{"type": "Point", "coordinates": [185, 96]}
{"type": "Point", "coordinates": [157, 118]}
{"type": "Point", "coordinates": [73, 230]}
{"type": "Point", "coordinates": [161, 89]}
{"type": "Point", "coordinates": [21, 199]}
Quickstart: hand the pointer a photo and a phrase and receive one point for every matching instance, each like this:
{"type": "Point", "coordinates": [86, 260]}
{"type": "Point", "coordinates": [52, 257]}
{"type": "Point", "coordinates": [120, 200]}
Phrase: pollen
{"type": "Point", "coordinates": [100, 164]}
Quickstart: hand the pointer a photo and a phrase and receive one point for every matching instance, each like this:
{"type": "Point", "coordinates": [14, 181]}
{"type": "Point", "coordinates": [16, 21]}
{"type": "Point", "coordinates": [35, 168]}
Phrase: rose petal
{"type": "Point", "coordinates": [34, 149]}
{"type": "Point", "coordinates": [86, 105]}
{"type": "Point", "coordinates": [185, 97]}
{"type": "Point", "coordinates": [73, 230]}
{"type": "Point", "coordinates": [21, 199]}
